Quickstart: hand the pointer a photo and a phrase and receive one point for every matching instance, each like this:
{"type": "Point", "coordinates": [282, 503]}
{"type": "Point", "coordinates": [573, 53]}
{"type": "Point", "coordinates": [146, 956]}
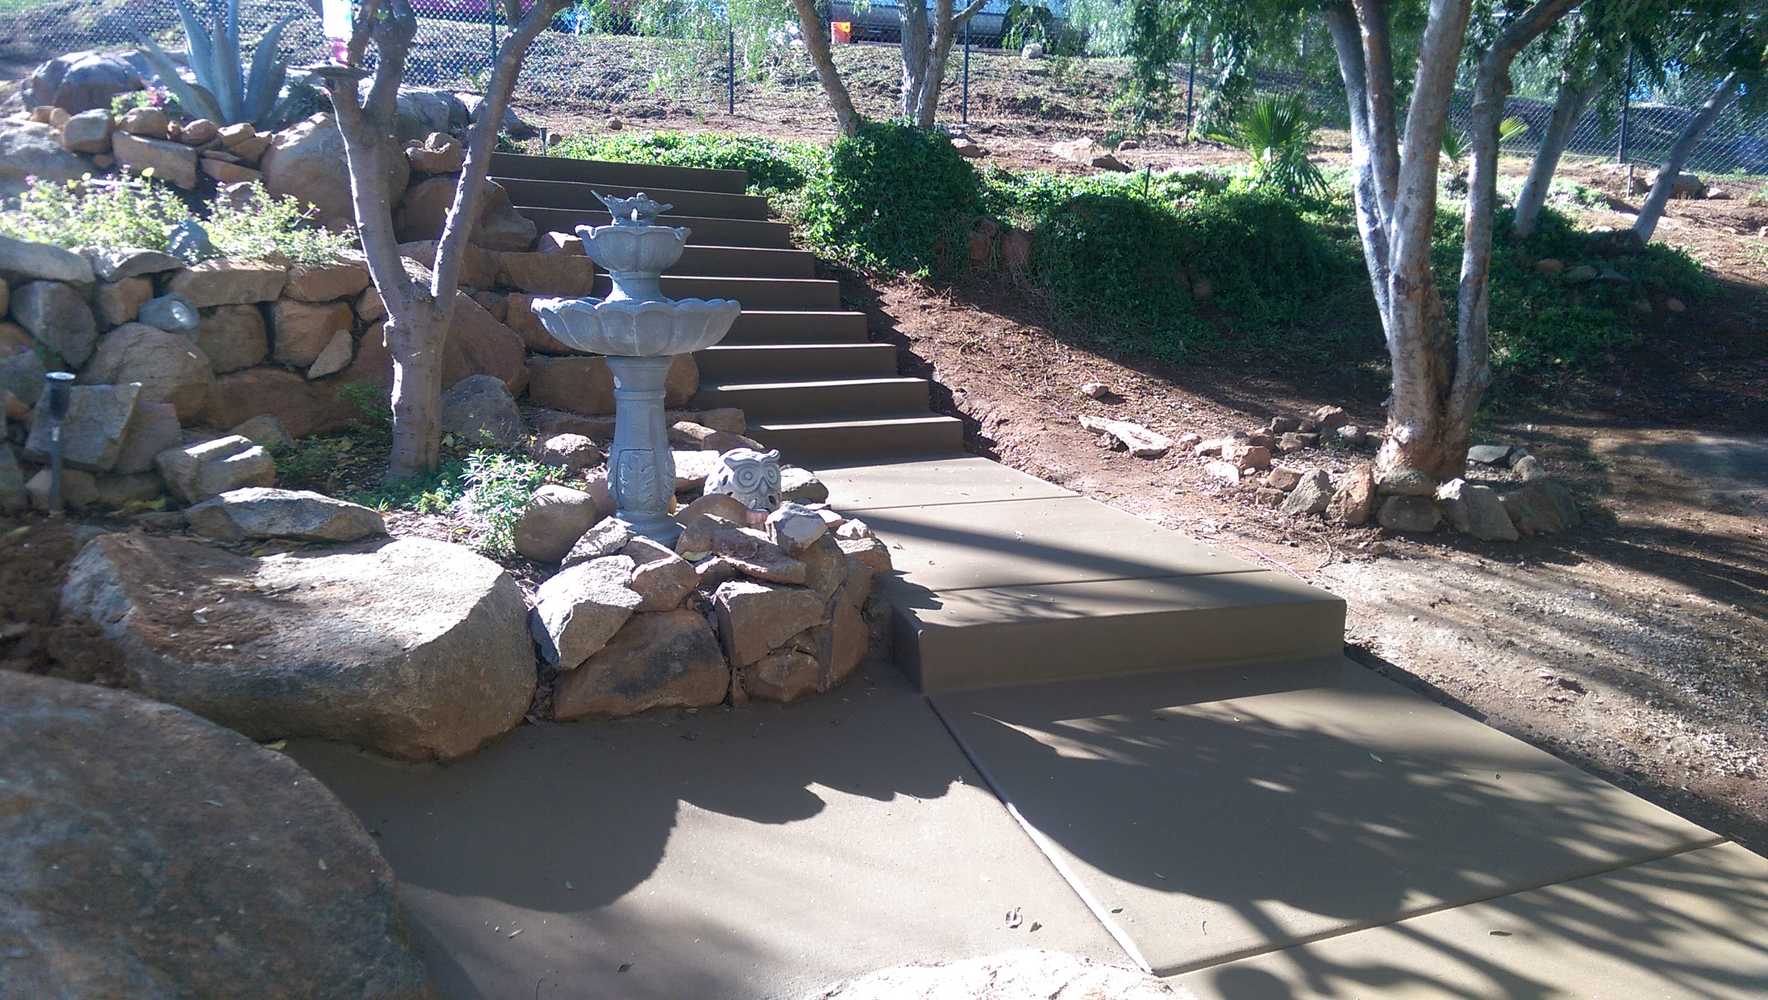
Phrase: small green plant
{"type": "Point", "coordinates": [1456, 143]}
{"type": "Point", "coordinates": [894, 198]}
{"type": "Point", "coordinates": [261, 224]}
{"type": "Point", "coordinates": [1277, 132]}
{"type": "Point", "coordinates": [223, 91]}
{"type": "Point", "coordinates": [96, 212]}
{"type": "Point", "coordinates": [150, 97]}
{"type": "Point", "coordinates": [497, 489]}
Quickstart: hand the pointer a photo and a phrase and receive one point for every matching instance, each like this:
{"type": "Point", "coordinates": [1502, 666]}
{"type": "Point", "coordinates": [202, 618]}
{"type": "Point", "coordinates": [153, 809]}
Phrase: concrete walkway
{"type": "Point", "coordinates": [1201, 785]}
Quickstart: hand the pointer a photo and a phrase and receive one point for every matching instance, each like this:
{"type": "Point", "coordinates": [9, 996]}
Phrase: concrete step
{"type": "Point", "coordinates": [795, 326]}
{"type": "Point", "coordinates": [816, 400]}
{"type": "Point", "coordinates": [758, 293]}
{"type": "Point", "coordinates": [576, 194]}
{"type": "Point", "coordinates": [730, 363]}
{"type": "Point", "coordinates": [869, 438]}
{"type": "Point", "coordinates": [645, 175]}
{"type": "Point", "coordinates": [746, 262]}
{"type": "Point", "coordinates": [702, 231]}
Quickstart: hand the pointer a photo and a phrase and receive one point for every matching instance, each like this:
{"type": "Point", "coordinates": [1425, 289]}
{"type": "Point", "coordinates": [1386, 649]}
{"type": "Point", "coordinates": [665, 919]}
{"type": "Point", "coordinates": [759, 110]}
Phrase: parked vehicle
{"type": "Point", "coordinates": [881, 21]}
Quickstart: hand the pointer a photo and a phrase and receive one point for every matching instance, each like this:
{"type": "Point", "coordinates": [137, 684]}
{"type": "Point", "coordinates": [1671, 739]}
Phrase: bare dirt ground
{"type": "Point", "coordinates": [1636, 646]}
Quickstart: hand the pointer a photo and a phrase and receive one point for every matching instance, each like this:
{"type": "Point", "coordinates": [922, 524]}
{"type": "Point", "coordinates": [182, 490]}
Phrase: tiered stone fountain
{"type": "Point", "coordinates": [640, 330]}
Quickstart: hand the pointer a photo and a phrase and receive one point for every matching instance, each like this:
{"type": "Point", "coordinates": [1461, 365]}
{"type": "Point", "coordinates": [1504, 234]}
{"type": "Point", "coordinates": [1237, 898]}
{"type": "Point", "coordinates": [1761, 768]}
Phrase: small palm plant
{"type": "Point", "coordinates": [1456, 144]}
{"type": "Point", "coordinates": [1277, 132]}
{"type": "Point", "coordinates": [223, 91]}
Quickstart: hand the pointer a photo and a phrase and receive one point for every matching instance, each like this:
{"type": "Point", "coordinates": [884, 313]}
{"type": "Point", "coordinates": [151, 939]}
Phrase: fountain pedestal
{"type": "Point", "coordinates": [641, 467]}
{"type": "Point", "coordinates": [640, 330]}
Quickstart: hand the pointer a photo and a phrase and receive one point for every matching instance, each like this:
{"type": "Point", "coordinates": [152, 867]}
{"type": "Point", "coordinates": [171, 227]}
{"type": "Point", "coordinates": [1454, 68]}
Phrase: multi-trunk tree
{"type": "Point", "coordinates": [419, 303]}
{"type": "Point", "coordinates": [1441, 367]}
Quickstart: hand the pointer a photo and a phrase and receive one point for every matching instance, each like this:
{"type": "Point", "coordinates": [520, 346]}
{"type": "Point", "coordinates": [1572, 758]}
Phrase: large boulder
{"type": "Point", "coordinates": [302, 407]}
{"type": "Point", "coordinates": [413, 648]}
{"type": "Point", "coordinates": [479, 410]}
{"type": "Point", "coordinates": [119, 302]}
{"type": "Point", "coordinates": [22, 260]}
{"type": "Point", "coordinates": [477, 344]}
{"type": "Point", "coordinates": [306, 162]}
{"type": "Point", "coordinates": [418, 111]}
{"type": "Point", "coordinates": [170, 367]}
{"type": "Point", "coordinates": [228, 282]}
{"type": "Point", "coordinates": [554, 519]}
{"type": "Point", "coordinates": [21, 367]}
{"type": "Point", "coordinates": [58, 317]}
{"type": "Point", "coordinates": [93, 432]}
{"type": "Point", "coordinates": [31, 149]}
{"type": "Point", "coordinates": [162, 159]}
{"type": "Point", "coordinates": [233, 337]}
{"type": "Point", "coordinates": [571, 384]}
{"type": "Point", "coordinates": [150, 854]}
{"type": "Point", "coordinates": [301, 330]}
{"type": "Point", "coordinates": [263, 512]}
{"type": "Point", "coordinates": [664, 659]}
{"type": "Point", "coordinates": [497, 226]}
{"type": "Point", "coordinates": [81, 81]}
{"type": "Point", "coordinates": [341, 279]}
{"type": "Point", "coordinates": [152, 429]}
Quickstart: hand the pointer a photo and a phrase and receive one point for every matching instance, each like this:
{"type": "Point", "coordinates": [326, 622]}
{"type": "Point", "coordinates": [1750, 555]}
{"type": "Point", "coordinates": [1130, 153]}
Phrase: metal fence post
{"type": "Point", "coordinates": [730, 63]}
{"type": "Point", "coordinates": [1626, 106]}
{"type": "Point", "coordinates": [1190, 83]}
{"type": "Point", "coordinates": [966, 112]}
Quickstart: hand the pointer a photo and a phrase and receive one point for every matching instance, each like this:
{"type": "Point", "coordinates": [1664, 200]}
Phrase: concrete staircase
{"type": "Point", "coordinates": [797, 364]}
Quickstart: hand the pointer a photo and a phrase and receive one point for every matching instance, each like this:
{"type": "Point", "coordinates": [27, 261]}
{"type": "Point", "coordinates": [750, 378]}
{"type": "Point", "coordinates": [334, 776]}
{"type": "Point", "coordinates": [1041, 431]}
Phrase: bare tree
{"type": "Point", "coordinates": [1665, 185]}
{"type": "Point", "coordinates": [1440, 370]}
{"type": "Point", "coordinates": [1579, 80]}
{"type": "Point", "coordinates": [816, 43]}
{"type": "Point", "coordinates": [420, 305]}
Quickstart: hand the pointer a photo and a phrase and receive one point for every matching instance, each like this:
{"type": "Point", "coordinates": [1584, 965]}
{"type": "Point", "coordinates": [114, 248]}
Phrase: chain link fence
{"type": "Point", "coordinates": [593, 65]}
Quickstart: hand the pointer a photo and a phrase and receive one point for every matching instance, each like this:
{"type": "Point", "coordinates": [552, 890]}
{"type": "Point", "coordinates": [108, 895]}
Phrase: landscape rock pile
{"type": "Point", "coordinates": [1509, 496]}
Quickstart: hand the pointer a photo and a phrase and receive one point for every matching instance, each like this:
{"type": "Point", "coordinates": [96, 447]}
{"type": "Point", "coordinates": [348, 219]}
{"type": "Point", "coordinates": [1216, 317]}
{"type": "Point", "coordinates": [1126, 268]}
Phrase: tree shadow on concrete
{"type": "Point", "coordinates": [1214, 829]}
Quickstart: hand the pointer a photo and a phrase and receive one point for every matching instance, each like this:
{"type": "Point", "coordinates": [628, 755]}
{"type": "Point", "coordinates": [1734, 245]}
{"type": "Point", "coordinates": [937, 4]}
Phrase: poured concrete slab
{"type": "Point", "coordinates": [990, 636]}
{"type": "Point", "coordinates": [957, 479]}
{"type": "Point", "coordinates": [1221, 814]}
{"type": "Point", "coordinates": [1008, 543]}
{"type": "Point", "coordinates": [750, 852]}
{"type": "Point", "coordinates": [1692, 925]}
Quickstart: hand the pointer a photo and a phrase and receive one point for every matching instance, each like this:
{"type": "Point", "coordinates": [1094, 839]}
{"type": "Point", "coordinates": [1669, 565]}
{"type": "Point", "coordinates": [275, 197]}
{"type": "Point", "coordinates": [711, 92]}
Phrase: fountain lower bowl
{"type": "Point", "coordinates": [625, 328]}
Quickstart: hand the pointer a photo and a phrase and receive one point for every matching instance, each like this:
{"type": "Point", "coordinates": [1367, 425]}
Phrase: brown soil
{"type": "Point", "coordinates": [34, 556]}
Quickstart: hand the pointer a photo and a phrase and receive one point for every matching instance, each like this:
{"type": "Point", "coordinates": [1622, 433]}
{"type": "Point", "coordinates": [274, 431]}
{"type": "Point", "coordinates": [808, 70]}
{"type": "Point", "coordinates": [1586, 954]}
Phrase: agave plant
{"type": "Point", "coordinates": [1277, 131]}
{"type": "Point", "coordinates": [223, 91]}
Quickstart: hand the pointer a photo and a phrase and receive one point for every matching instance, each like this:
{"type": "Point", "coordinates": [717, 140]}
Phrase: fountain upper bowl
{"type": "Point", "coordinates": [625, 328]}
{"type": "Point", "coordinates": [635, 249]}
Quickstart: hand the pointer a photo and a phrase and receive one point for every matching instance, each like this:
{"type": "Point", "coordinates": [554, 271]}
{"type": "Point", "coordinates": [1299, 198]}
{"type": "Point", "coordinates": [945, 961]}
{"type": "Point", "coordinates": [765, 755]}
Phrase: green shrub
{"type": "Point", "coordinates": [1543, 328]}
{"type": "Point", "coordinates": [1027, 199]}
{"type": "Point", "coordinates": [497, 488]}
{"type": "Point", "coordinates": [141, 212]}
{"type": "Point", "coordinates": [1214, 274]}
{"type": "Point", "coordinates": [894, 198]}
{"type": "Point", "coordinates": [96, 212]}
{"type": "Point", "coordinates": [264, 225]}
{"type": "Point", "coordinates": [774, 167]}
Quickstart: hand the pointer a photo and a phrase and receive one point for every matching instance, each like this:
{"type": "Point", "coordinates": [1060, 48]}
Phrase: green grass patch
{"type": "Point", "coordinates": [776, 168]}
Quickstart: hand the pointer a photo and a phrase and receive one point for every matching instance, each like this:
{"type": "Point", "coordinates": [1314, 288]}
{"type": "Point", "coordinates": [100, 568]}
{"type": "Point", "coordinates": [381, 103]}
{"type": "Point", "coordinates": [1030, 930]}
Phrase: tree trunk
{"type": "Point", "coordinates": [1341, 22]}
{"type": "Point", "coordinates": [916, 55]}
{"type": "Point", "coordinates": [1574, 96]}
{"type": "Point", "coordinates": [414, 340]}
{"type": "Point", "coordinates": [1680, 150]}
{"type": "Point", "coordinates": [816, 44]}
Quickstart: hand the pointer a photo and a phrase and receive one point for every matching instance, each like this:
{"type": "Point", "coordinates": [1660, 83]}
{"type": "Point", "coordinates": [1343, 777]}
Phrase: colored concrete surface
{"type": "Point", "coordinates": [752, 852]}
{"type": "Point", "coordinates": [952, 479]}
{"type": "Point", "coordinates": [1692, 925]}
{"type": "Point", "coordinates": [958, 639]}
{"type": "Point", "coordinates": [1221, 814]}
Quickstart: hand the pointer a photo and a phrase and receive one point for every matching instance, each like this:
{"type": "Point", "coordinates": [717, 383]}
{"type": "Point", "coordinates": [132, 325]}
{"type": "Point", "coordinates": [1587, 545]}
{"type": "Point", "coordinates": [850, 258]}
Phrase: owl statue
{"type": "Point", "coordinates": [753, 477]}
